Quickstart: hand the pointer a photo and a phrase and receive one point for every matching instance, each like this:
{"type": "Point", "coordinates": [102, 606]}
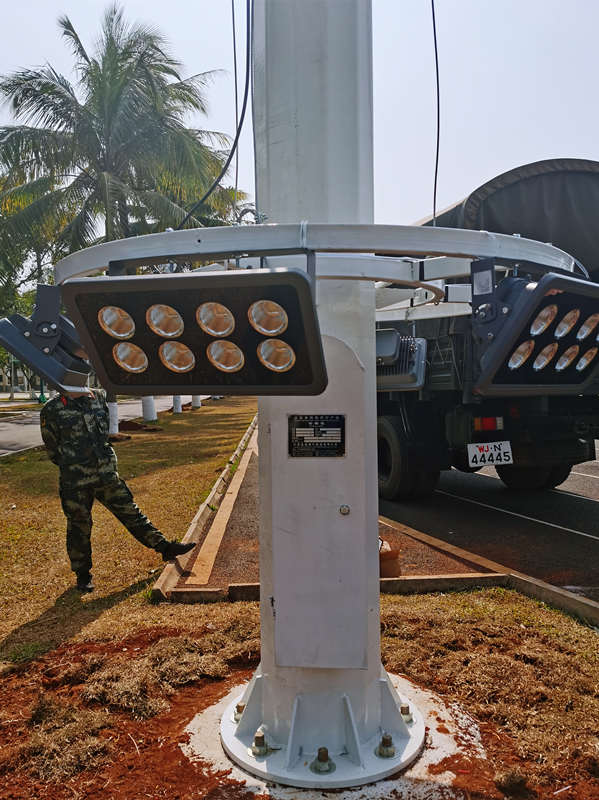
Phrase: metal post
{"type": "Point", "coordinates": [177, 406]}
{"type": "Point", "coordinates": [320, 687]}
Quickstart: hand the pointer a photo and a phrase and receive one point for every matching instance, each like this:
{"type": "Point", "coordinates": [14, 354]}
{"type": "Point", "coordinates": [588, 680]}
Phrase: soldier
{"type": "Point", "coordinates": [74, 428]}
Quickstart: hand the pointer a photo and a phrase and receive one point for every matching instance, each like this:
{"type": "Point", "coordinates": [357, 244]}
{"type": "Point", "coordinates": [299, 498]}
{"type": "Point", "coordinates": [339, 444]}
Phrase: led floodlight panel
{"type": "Point", "coordinates": [539, 338]}
{"type": "Point", "coordinates": [251, 332]}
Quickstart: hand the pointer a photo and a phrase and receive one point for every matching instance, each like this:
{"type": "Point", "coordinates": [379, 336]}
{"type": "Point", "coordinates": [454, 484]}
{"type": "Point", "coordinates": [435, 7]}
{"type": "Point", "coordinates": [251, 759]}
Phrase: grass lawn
{"type": "Point", "coordinates": [169, 472]}
{"type": "Point", "coordinates": [95, 692]}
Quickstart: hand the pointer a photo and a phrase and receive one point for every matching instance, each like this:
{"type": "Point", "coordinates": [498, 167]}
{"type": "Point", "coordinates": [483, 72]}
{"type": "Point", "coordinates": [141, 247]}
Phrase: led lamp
{"type": "Point", "coordinates": [164, 321]}
{"type": "Point", "coordinates": [225, 355]}
{"type": "Point", "coordinates": [586, 359]}
{"type": "Point", "coordinates": [587, 327]}
{"type": "Point", "coordinates": [545, 356]}
{"type": "Point", "coordinates": [567, 358]}
{"type": "Point", "coordinates": [268, 318]}
{"type": "Point", "coordinates": [130, 357]}
{"type": "Point", "coordinates": [521, 354]}
{"type": "Point", "coordinates": [215, 319]}
{"type": "Point", "coordinates": [276, 355]}
{"type": "Point", "coordinates": [116, 322]}
{"type": "Point", "coordinates": [176, 356]}
{"type": "Point", "coordinates": [543, 320]}
{"type": "Point", "coordinates": [567, 323]}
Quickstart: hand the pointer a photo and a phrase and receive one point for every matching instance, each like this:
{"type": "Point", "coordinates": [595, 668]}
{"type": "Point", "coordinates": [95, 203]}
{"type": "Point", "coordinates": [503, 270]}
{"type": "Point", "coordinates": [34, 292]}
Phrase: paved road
{"type": "Point", "coordinates": [553, 536]}
{"type": "Point", "coordinates": [23, 430]}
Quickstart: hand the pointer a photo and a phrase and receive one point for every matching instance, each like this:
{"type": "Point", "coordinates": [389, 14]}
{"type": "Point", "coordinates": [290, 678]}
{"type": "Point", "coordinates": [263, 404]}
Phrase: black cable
{"type": "Point", "coordinates": [438, 115]}
{"type": "Point", "coordinates": [239, 127]}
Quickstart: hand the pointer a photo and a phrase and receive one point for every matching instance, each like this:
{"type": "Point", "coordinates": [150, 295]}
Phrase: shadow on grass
{"type": "Point", "coordinates": [69, 615]}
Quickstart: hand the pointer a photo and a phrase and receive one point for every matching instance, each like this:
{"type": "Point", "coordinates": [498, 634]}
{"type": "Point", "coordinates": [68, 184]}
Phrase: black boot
{"type": "Point", "coordinates": [84, 582]}
{"type": "Point", "coordinates": [174, 549]}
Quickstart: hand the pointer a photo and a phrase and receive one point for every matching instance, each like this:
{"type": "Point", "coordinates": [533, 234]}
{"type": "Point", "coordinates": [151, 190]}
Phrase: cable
{"type": "Point", "coordinates": [236, 106]}
{"type": "Point", "coordinates": [239, 127]}
{"type": "Point", "coordinates": [438, 115]}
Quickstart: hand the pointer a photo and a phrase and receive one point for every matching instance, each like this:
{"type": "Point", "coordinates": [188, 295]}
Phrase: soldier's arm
{"type": "Point", "coordinates": [50, 436]}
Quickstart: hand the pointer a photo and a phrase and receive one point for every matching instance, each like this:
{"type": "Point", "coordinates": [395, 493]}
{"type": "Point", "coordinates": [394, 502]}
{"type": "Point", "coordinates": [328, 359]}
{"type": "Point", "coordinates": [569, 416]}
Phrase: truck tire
{"type": "Point", "coordinates": [525, 478]}
{"type": "Point", "coordinates": [396, 480]}
{"type": "Point", "coordinates": [559, 473]}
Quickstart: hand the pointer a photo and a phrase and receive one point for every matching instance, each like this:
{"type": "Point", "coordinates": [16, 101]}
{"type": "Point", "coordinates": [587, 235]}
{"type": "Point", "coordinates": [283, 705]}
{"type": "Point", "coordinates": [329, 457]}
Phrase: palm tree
{"type": "Point", "coordinates": [111, 149]}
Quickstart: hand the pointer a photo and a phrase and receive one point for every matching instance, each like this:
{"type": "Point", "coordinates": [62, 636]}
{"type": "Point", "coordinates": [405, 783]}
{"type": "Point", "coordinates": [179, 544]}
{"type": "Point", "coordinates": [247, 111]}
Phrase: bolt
{"type": "Point", "coordinates": [322, 762]}
{"type": "Point", "coordinates": [386, 748]}
{"type": "Point", "coordinates": [490, 336]}
{"type": "Point", "coordinates": [259, 747]}
{"type": "Point", "coordinates": [505, 310]}
{"type": "Point", "coordinates": [53, 326]}
{"type": "Point", "coordinates": [28, 334]}
{"type": "Point", "coordinates": [405, 712]}
{"type": "Point", "coordinates": [482, 314]}
{"type": "Point", "coordinates": [344, 510]}
{"type": "Point", "coordinates": [46, 349]}
{"type": "Point", "coordinates": [44, 329]}
{"type": "Point", "coordinates": [239, 709]}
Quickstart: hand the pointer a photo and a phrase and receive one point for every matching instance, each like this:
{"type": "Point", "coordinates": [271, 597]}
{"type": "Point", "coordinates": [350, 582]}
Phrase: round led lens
{"type": "Point", "coordinates": [567, 358]}
{"type": "Point", "coordinates": [587, 358]}
{"type": "Point", "coordinates": [543, 320]}
{"type": "Point", "coordinates": [587, 327]}
{"type": "Point", "coordinates": [520, 354]}
{"type": "Point", "coordinates": [130, 357]}
{"type": "Point", "coordinates": [276, 355]}
{"type": "Point", "coordinates": [164, 321]}
{"type": "Point", "coordinates": [268, 317]}
{"type": "Point", "coordinates": [567, 323]}
{"type": "Point", "coordinates": [545, 356]}
{"type": "Point", "coordinates": [176, 356]}
{"type": "Point", "coordinates": [116, 322]}
{"type": "Point", "coordinates": [215, 319]}
{"type": "Point", "coordinates": [225, 356]}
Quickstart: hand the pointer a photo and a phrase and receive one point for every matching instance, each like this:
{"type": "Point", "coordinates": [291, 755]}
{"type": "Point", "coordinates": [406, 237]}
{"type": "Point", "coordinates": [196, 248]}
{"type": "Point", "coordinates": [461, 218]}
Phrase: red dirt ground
{"type": "Point", "coordinates": [147, 761]}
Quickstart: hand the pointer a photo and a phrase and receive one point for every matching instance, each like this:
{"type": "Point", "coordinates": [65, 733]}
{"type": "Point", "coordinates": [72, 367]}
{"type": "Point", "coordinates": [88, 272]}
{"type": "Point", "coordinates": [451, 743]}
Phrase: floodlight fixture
{"type": "Point", "coordinates": [48, 342]}
{"type": "Point", "coordinates": [529, 336]}
{"type": "Point", "coordinates": [252, 332]}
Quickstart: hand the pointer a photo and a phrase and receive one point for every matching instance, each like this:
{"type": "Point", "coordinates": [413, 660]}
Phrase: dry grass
{"type": "Point", "coordinates": [170, 473]}
{"type": "Point", "coordinates": [64, 741]}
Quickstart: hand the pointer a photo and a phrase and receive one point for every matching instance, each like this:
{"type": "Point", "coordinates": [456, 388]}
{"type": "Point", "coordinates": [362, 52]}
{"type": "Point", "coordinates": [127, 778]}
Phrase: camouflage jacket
{"type": "Point", "coordinates": [75, 432]}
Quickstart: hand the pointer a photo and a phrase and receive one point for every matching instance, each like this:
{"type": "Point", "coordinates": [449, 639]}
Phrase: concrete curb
{"type": "Point", "coordinates": [585, 610]}
{"type": "Point", "coordinates": [166, 584]}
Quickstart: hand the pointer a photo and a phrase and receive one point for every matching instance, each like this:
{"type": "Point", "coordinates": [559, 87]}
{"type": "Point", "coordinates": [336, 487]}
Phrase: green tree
{"type": "Point", "coordinates": [111, 151]}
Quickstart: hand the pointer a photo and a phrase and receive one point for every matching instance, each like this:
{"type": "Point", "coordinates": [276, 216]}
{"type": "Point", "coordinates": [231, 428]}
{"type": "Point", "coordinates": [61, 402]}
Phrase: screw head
{"type": "Point", "coordinates": [505, 310]}
{"type": "Point", "coordinates": [490, 336]}
{"type": "Point", "coordinates": [46, 349]}
{"type": "Point", "coordinates": [27, 334]}
{"type": "Point", "coordinates": [45, 329]}
{"type": "Point", "coordinates": [53, 326]}
{"type": "Point", "coordinates": [344, 510]}
{"type": "Point", "coordinates": [240, 708]}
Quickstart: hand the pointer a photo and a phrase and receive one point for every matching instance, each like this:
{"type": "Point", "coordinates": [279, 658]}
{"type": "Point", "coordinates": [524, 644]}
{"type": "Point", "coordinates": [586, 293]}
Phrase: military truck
{"type": "Point", "coordinates": [505, 371]}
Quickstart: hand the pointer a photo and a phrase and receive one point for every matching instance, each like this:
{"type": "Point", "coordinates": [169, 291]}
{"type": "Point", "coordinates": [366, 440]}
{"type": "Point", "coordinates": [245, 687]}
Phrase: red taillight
{"type": "Point", "coordinates": [488, 423]}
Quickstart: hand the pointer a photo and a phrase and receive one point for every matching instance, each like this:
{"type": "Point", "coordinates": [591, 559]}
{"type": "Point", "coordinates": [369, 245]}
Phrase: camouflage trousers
{"type": "Point", "coordinates": [116, 496]}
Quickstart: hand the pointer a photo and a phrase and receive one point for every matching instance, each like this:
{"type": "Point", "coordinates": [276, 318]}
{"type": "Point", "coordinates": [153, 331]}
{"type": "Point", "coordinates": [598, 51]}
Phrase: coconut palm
{"type": "Point", "coordinates": [112, 150]}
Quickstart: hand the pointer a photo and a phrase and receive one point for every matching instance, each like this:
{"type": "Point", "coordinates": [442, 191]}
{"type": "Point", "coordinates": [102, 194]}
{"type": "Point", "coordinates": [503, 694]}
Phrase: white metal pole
{"type": "Point", "coordinates": [320, 683]}
{"type": "Point", "coordinates": [196, 400]}
{"type": "Point", "coordinates": [148, 409]}
{"type": "Point", "coordinates": [177, 405]}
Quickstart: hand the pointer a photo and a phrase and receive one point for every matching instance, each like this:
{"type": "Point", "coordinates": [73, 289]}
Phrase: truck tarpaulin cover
{"type": "Point", "coordinates": [553, 201]}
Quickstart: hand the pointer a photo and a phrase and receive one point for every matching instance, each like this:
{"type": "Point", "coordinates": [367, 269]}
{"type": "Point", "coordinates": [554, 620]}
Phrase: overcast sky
{"type": "Point", "coordinates": [518, 82]}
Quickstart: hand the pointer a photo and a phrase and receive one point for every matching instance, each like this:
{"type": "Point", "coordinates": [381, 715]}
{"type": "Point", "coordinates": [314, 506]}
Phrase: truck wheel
{"type": "Point", "coordinates": [524, 478]}
{"type": "Point", "coordinates": [396, 480]}
{"type": "Point", "coordinates": [559, 473]}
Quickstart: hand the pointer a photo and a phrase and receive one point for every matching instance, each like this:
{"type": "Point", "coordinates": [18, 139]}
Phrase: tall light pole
{"type": "Point", "coordinates": [320, 703]}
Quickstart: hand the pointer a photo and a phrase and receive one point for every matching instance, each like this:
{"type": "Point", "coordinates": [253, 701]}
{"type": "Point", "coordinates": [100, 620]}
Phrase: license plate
{"type": "Point", "coordinates": [484, 454]}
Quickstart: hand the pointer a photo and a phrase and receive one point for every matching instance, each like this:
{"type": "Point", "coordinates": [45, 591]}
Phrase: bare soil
{"type": "Point", "coordinates": [103, 715]}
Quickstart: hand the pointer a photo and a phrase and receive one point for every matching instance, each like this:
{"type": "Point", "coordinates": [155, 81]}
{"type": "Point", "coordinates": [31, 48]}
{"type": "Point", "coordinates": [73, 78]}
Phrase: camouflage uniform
{"type": "Point", "coordinates": [75, 432]}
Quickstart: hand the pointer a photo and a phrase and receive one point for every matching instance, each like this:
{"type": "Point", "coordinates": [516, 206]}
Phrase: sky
{"type": "Point", "coordinates": [518, 82]}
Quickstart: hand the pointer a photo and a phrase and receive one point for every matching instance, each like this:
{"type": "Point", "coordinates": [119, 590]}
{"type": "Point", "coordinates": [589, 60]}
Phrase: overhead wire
{"type": "Point", "coordinates": [438, 114]}
{"type": "Point", "coordinates": [227, 163]}
{"type": "Point", "coordinates": [236, 106]}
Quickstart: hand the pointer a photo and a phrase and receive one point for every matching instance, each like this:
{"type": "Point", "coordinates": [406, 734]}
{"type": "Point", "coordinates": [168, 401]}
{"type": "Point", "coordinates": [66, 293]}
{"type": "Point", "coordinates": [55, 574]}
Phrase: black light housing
{"type": "Point", "coordinates": [203, 357]}
{"type": "Point", "coordinates": [48, 342]}
{"type": "Point", "coordinates": [516, 327]}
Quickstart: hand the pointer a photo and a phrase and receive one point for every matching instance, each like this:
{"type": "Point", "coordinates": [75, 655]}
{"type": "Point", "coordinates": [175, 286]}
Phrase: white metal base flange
{"type": "Point", "coordinates": [295, 763]}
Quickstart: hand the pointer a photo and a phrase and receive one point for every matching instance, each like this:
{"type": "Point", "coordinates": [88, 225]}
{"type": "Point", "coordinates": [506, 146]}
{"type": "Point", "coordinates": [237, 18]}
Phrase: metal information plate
{"type": "Point", "coordinates": [316, 435]}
